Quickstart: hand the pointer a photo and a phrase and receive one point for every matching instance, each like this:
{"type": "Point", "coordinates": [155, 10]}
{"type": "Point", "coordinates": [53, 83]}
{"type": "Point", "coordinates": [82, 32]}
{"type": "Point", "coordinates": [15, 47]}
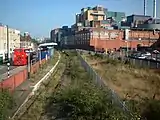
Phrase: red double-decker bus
{"type": "Point", "coordinates": [20, 56]}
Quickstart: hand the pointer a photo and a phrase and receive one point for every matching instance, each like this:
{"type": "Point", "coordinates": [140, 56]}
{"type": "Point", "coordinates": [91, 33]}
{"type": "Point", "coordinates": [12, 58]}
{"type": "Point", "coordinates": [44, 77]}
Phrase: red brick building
{"type": "Point", "coordinates": [99, 38]}
{"type": "Point", "coordinates": [114, 39]}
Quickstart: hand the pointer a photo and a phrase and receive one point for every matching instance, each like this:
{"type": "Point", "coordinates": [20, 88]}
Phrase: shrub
{"type": "Point", "coordinates": [99, 55]}
{"type": "Point", "coordinates": [151, 111]}
{"type": "Point", "coordinates": [6, 103]}
{"type": "Point", "coordinates": [86, 101]}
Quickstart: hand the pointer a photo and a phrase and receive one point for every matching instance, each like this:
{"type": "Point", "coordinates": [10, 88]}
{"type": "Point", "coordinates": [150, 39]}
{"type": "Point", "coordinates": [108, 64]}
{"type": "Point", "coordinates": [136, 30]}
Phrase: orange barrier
{"type": "Point", "coordinates": [15, 80]}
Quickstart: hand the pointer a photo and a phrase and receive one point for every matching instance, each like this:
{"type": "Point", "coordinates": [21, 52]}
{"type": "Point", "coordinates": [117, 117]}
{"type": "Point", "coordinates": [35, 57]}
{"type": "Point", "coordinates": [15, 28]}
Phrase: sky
{"type": "Point", "coordinates": [39, 17]}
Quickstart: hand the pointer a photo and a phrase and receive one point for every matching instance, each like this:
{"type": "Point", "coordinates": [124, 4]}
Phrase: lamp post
{"type": "Point", "coordinates": [8, 44]}
{"type": "Point", "coordinates": [127, 47]}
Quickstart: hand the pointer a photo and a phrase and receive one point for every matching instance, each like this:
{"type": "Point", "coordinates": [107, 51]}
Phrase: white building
{"type": "Point", "coordinates": [9, 40]}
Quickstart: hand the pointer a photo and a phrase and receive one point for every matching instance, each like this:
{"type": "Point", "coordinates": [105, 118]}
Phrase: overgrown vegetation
{"type": "Point", "coordinates": [34, 109]}
{"type": "Point", "coordinates": [6, 103]}
{"type": "Point", "coordinates": [137, 86]}
{"type": "Point", "coordinates": [10, 103]}
{"type": "Point", "coordinates": [81, 99]}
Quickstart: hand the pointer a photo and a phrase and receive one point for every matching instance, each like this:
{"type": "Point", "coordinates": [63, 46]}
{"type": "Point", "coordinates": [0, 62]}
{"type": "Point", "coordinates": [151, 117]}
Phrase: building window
{"type": "Point", "coordinates": [95, 18]}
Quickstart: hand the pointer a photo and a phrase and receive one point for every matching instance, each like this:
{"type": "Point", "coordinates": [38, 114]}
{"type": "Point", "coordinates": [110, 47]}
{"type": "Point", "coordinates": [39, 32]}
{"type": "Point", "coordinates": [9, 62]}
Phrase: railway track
{"type": "Point", "coordinates": [45, 88]}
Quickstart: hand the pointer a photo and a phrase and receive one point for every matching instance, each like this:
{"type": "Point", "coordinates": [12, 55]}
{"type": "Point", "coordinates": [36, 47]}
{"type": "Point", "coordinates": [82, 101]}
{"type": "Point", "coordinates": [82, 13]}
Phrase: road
{"type": "Point", "coordinates": [4, 69]}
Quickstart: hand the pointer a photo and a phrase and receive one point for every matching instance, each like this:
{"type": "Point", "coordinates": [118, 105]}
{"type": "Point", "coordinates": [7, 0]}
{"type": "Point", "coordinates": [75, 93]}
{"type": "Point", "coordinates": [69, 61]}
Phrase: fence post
{"type": "Point", "coordinates": [40, 57]}
{"type": "Point", "coordinates": [148, 63]}
{"type": "Point", "coordinates": [29, 65]}
{"type": "Point", "coordinates": [89, 72]}
{"type": "Point", "coordinates": [157, 65]}
{"type": "Point", "coordinates": [8, 66]}
{"type": "Point", "coordinates": [134, 61]}
{"type": "Point", "coordinates": [46, 56]}
{"type": "Point", "coordinates": [112, 95]}
{"type": "Point", "coordinates": [123, 104]}
{"type": "Point", "coordinates": [14, 82]}
{"type": "Point", "coordinates": [141, 63]}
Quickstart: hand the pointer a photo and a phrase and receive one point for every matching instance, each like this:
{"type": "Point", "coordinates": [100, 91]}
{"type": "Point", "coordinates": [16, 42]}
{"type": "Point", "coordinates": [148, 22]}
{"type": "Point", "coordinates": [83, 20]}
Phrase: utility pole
{"type": "Point", "coordinates": [8, 46]}
{"type": "Point", "coordinates": [29, 64]}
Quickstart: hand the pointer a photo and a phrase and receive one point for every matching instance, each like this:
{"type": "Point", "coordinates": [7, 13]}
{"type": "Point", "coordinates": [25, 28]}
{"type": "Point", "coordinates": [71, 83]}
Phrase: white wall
{"type": "Point", "coordinates": [14, 39]}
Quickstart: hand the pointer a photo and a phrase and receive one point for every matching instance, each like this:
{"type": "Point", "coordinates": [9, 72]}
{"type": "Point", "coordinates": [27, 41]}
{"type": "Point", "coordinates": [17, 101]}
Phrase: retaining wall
{"type": "Point", "coordinates": [16, 79]}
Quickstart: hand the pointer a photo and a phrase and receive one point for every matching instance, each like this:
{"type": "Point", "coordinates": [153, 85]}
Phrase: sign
{"type": "Point", "coordinates": [106, 34]}
{"type": "Point", "coordinates": [126, 34]}
{"type": "Point", "coordinates": [113, 35]}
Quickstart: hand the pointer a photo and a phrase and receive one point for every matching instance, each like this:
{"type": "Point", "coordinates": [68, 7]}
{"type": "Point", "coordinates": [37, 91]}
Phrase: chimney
{"type": "Point", "coordinates": [154, 8]}
{"type": "Point", "coordinates": [145, 6]}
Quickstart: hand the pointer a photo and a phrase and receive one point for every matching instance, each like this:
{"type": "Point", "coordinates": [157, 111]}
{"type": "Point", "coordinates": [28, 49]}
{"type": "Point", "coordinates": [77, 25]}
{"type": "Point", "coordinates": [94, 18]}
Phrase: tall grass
{"type": "Point", "coordinates": [6, 103]}
{"type": "Point", "coordinates": [147, 106]}
{"type": "Point", "coordinates": [82, 99]}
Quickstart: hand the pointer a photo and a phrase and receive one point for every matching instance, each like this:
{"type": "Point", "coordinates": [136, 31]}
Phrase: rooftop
{"type": "Point", "coordinates": [139, 15]}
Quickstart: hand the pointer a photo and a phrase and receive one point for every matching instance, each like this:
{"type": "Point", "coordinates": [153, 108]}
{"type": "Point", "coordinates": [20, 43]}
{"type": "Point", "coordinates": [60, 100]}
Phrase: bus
{"type": "Point", "coordinates": [20, 56]}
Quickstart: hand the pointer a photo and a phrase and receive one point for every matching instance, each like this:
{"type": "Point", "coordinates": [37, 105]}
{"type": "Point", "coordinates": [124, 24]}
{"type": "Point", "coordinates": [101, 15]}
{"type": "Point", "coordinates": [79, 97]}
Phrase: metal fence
{"type": "Point", "coordinates": [100, 82]}
{"type": "Point", "coordinates": [143, 63]}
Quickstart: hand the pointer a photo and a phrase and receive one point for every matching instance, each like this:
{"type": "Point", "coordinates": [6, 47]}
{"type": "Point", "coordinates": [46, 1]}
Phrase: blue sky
{"type": "Point", "coordinates": [38, 17]}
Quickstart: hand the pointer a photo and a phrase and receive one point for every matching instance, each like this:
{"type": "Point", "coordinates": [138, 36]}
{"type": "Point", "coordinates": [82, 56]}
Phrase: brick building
{"type": "Point", "coordinates": [114, 39]}
{"type": "Point", "coordinates": [102, 39]}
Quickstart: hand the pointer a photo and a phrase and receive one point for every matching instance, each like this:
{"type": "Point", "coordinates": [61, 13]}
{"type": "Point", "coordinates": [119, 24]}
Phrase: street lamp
{"type": "Point", "coordinates": [8, 44]}
{"type": "Point", "coordinates": [127, 47]}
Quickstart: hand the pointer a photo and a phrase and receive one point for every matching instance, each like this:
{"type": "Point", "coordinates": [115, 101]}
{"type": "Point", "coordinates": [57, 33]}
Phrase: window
{"type": "Point", "coordinates": [95, 17]}
{"type": "Point", "coordinates": [18, 50]}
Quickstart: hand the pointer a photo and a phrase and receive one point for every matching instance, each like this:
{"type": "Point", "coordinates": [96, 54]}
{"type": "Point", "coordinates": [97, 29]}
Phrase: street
{"type": "Point", "coordinates": [4, 68]}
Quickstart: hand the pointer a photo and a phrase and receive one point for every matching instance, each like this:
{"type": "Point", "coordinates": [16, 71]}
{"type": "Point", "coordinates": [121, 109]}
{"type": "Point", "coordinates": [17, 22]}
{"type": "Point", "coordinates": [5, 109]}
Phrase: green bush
{"type": "Point", "coordinates": [87, 102]}
{"type": "Point", "coordinates": [99, 56]}
{"type": "Point", "coordinates": [6, 103]}
{"type": "Point", "coordinates": [151, 109]}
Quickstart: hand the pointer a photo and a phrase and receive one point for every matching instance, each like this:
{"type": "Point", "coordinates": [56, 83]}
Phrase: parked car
{"type": "Point", "coordinates": [142, 56]}
{"type": "Point", "coordinates": [156, 51]}
{"type": "Point", "coordinates": [147, 53]}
